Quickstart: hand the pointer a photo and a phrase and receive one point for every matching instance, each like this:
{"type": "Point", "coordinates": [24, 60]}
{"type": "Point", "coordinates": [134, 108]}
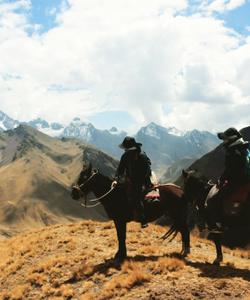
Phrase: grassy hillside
{"type": "Point", "coordinates": [72, 261]}
{"type": "Point", "coordinates": [36, 174]}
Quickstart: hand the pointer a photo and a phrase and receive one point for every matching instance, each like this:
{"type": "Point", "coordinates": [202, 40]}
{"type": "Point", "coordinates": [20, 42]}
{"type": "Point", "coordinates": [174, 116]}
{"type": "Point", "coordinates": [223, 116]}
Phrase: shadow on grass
{"type": "Point", "coordinates": [104, 267]}
{"type": "Point", "coordinates": [213, 271]}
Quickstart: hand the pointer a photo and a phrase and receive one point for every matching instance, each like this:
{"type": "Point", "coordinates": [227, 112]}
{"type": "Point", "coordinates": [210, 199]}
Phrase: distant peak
{"type": "Point", "coordinates": [153, 124]}
{"type": "Point", "coordinates": [175, 131]}
{"type": "Point", "coordinates": [77, 119]}
{"type": "Point", "coordinates": [113, 129]}
{"type": "Point", "coordinates": [39, 123]}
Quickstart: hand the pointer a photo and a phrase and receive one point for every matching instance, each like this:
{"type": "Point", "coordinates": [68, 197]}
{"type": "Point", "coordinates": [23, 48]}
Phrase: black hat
{"type": "Point", "coordinates": [129, 143]}
{"type": "Point", "coordinates": [230, 134]}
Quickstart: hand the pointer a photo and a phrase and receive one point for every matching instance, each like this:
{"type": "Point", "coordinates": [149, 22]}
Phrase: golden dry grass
{"type": "Point", "coordinates": [72, 261]}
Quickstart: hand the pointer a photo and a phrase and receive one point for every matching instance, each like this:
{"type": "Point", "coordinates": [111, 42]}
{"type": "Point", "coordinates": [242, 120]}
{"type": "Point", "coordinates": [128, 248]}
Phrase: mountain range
{"type": "Point", "coordinates": [164, 146]}
{"type": "Point", "coordinates": [36, 173]}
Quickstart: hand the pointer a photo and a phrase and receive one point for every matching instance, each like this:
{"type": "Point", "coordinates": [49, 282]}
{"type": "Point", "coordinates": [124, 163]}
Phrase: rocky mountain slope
{"type": "Point", "coordinates": [212, 163]}
{"type": "Point", "coordinates": [173, 172]}
{"type": "Point", "coordinates": [36, 174]}
{"type": "Point", "coordinates": [72, 261]}
{"type": "Point", "coordinates": [164, 146]}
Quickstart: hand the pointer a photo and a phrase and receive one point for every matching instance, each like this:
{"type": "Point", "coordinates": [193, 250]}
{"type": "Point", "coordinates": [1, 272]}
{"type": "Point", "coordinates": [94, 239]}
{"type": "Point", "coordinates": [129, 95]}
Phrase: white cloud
{"type": "Point", "coordinates": [136, 56]}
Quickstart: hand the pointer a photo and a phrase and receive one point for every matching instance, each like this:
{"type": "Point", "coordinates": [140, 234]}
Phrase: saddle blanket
{"type": "Point", "coordinates": [152, 194]}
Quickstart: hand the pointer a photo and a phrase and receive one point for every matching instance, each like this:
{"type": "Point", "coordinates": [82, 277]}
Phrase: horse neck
{"type": "Point", "coordinates": [101, 185]}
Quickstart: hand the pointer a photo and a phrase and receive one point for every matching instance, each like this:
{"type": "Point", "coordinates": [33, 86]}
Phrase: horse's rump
{"type": "Point", "coordinates": [171, 189]}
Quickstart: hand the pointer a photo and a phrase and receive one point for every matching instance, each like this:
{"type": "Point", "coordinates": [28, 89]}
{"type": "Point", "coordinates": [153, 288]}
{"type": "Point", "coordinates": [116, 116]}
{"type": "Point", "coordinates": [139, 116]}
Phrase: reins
{"type": "Point", "coordinates": [83, 184]}
{"type": "Point", "coordinates": [78, 187]}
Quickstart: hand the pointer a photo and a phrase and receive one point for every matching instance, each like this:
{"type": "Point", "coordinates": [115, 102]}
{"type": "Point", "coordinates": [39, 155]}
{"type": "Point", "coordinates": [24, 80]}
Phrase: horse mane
{"type": "Point", "coordinates": [198, 175]}
{"type": "Point", "coordinates": [105, 177]}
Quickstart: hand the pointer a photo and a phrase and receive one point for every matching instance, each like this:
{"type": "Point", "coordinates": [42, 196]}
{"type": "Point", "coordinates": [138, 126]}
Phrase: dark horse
{"type": "Point", "coordinates": [118, 209]}
{"type": "Point", "coordinates": [236, 220]}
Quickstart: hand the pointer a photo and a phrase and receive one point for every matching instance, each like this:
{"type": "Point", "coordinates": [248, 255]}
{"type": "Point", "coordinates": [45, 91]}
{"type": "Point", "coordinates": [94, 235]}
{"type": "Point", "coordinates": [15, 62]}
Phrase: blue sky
{"type": "Point", "coordinates": [44, 13]}
{"type": "Point", "coordinates": [239, 19]}
{"type": "Point", "coordinates": [119, 119]}
{"type": "Point", "coordinates": [127, 63]}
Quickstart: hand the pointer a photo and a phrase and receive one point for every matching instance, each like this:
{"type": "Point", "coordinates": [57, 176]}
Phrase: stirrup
{"type": "Point", "coordinates": [216, 228]}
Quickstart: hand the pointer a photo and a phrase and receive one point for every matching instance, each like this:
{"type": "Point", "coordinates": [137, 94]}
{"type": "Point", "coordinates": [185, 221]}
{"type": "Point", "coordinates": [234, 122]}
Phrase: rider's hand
{"type": "Point", "coordinates": [114, 184]}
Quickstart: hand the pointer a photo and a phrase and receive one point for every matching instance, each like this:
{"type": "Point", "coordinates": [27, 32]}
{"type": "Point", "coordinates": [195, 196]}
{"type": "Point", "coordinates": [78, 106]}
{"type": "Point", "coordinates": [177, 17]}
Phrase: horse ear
{"type": "Point", "coordinates": [87, 168]}
{"type": "Point", "coordinates": [184, 173]}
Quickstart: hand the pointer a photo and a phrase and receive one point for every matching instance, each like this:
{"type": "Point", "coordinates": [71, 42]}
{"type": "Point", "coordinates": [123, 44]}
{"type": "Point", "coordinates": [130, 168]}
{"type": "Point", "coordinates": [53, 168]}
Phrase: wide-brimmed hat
{"type": "Point", "coordinates": [229, 134]}
{"type": "Point", "coordinates": [232, 137]}
{"type": "Point", "coordinates": [129, 143]}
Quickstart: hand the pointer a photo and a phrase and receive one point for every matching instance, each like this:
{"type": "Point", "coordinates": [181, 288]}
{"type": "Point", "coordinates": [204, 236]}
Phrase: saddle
{"type": "Point", "coordinates": [152, 196]}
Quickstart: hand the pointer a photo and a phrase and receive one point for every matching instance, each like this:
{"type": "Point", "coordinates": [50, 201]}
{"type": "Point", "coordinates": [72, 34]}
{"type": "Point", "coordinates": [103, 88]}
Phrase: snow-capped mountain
{"type": "Point", "coordinates": [79, 129]}
{"type": "Point", "coordinates": [6, 122]}
{"type": "Point", "coordinates": [52, 129]}
{"type": "Point", "coordinates": [164, 145]}
{"type": "Point", "coordinates": [105, 140]}
{"type": "Point", "coordinates": [156, 131]}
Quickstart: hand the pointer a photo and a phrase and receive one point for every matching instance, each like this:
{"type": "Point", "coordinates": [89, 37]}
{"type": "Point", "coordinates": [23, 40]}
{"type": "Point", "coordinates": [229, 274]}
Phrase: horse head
{"type": "Point", "coordinates": [84, 183]}
{"type": "Point", "coordinates": [195, 186]}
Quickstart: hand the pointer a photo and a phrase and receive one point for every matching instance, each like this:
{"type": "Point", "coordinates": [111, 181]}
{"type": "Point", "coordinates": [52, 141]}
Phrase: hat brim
{"type": "Point", "coordinates": [223, 136]}
{"type": "Point", "coordinates": [131, 148]}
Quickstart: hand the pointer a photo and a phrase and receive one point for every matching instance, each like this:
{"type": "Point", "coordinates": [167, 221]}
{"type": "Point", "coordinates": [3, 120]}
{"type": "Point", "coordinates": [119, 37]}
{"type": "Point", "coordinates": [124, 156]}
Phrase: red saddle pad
{"type": "Point", "coordinates": [152, 194]}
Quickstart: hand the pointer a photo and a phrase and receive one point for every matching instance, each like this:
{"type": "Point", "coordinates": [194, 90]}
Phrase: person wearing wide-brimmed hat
{"type": "Point", "coordinates": [135, 170]}
{"type": "Point", "coordinates": [236, 156]}
{"type": "Point", "coordinates": [234, 175]}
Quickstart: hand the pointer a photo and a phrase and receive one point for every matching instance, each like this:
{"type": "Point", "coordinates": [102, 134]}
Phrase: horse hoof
{"type": "Point", "coordinates": [217, 261]}
{"type": "Point", "coordinates": [185, 252]}
{"type": "Point", "coordinates": [118, 258]}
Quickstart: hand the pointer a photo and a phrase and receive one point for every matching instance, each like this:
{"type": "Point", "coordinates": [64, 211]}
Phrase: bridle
{"type": "Point", "coordinates": [79, 188]}
{"type": "Point", "coordinates": [90, 177]}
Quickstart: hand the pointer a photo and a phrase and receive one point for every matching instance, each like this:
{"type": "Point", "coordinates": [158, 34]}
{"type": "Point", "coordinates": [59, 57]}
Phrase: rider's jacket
{"type": "Point", "coordinates": [137, 171]}
{"type": "Point", "coordinates": [236, 159]}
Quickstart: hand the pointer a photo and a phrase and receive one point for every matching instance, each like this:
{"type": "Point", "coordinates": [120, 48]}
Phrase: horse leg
{"type": "Point", "coordinates": [185, 236]}
{"type": "Point", "coordinates": [120, 226]}
{"type": "Point", "coordinates": [219, 255]}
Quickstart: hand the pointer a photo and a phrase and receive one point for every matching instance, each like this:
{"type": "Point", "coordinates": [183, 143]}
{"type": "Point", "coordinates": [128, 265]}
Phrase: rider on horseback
{"type": "Point", "coordinates": [234, 175]}
{"type": "Point", "coordinates": [235, 158]}
{"type": "Point", "coordinates": [135, 169]}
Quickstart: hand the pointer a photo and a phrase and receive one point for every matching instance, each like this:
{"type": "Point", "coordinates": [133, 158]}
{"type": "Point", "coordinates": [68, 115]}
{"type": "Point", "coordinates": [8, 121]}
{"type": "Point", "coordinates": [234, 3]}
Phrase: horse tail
{"type": "Point", "coordinates": [172, 232]}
